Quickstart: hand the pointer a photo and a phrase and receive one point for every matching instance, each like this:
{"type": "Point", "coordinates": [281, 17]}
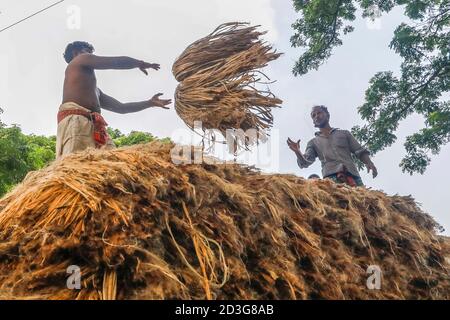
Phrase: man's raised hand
{"type": "Point", "coordinates": [294, 146]}
{"type": "Point", "coordinates": [143, 66]}
{"type": "Point", "coordinates": [155, 101]}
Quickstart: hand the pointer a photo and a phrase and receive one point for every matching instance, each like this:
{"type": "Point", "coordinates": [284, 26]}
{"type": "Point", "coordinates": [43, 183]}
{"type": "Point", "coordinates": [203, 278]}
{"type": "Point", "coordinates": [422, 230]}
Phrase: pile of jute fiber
{"type": "Point", "coordinates": [218, 77]}
{"type": "Point", "coordinates": [139, 226]}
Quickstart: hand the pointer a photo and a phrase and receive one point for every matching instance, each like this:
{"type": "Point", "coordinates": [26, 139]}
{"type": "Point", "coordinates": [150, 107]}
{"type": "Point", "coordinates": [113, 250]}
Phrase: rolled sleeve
{"type": "Point", "coordinates": [355, 146]}
{"type": "Point", "coordinates": [309, 155]}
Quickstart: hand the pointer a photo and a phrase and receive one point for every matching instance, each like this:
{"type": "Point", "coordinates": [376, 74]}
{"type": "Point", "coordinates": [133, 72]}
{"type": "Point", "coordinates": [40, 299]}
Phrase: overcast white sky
{"type": "Point", "coordinates": [32, 71]}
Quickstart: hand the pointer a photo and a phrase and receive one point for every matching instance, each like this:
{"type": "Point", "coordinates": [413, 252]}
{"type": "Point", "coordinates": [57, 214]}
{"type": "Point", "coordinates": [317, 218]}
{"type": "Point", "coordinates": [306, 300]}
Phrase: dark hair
{"type": "Point", "coordinates": [314, 176]}
{"type": "Point", "coordinates": [77, 45]}
{"type": "Point", "coordinates": [323, 108]}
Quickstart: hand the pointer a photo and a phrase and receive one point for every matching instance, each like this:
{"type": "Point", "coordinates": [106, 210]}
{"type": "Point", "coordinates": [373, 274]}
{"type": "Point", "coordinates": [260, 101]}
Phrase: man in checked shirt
{"type": "Point", "coordinates": [334, 148]}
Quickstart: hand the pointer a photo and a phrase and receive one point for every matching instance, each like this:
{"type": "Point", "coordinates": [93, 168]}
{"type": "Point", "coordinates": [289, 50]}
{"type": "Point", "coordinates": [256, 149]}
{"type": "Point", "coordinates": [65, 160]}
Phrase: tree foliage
{"type": "Point", "coordinates": [422, 86]}
{"type": "Point", "coordinates": [20, 154]}
{"type": "Point", "coordinates": [134, 137]}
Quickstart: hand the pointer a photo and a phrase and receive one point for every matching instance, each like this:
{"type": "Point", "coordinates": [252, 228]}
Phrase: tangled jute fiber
{"type": "Point", "coordinates": [138, 226]}
{"type": "Point", "coordinates": [218, 77]}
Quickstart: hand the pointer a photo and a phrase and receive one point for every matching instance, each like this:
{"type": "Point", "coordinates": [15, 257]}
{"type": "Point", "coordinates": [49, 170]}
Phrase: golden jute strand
{"type": "Point", "coordinates": [109, 285]}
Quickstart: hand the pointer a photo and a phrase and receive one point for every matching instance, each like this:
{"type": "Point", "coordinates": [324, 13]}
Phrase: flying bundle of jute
{"type": "Point", "coordinates": [137, 226]}
{"type": "Point", "coordinates": [218, 77]}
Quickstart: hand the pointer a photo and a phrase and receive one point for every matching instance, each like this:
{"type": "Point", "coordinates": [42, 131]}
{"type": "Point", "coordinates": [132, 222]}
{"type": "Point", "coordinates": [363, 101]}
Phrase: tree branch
{"type": "Point", "coordinates": [334, 34]}
{"type": "Point", "coordinates": [422, 88]}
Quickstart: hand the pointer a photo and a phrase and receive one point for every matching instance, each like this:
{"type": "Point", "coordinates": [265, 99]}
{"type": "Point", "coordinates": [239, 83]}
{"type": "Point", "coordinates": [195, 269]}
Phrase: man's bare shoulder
{"type": "Point", "coordinates": [79, 66]}
{"type": "Point", "coordinates": [82, 60]}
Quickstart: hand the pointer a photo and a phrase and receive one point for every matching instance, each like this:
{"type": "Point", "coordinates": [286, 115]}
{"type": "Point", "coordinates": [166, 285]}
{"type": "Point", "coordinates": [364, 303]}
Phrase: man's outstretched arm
{"type": "Point", "coordinates": [113, 63]}
{"type": "Point", "coordinates": [303, 160]}
{"type": "Point", "coordinates": [114, 105]}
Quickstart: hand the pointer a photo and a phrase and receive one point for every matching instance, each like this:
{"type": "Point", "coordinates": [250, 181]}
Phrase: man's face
{"type": "Point", "coordinates": [319, 117]}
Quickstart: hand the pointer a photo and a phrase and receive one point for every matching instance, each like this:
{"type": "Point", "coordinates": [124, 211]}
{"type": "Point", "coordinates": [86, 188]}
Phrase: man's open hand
{"type": "Point", "coordinates": [157, 102]}
{"type": "Point", "coordinates": [294, 146]}
{"type": "Point", "coordinates": [143, 66]}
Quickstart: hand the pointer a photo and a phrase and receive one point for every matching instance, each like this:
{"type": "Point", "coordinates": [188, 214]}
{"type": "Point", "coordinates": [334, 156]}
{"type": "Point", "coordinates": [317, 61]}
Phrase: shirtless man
{"type": "Point", "coordinates": [80, 124]}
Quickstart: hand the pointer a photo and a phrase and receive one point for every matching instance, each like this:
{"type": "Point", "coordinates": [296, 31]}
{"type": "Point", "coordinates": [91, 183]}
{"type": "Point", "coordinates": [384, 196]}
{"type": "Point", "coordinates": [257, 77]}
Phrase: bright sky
{"type": "Point", "coordinates": [32, 72]}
